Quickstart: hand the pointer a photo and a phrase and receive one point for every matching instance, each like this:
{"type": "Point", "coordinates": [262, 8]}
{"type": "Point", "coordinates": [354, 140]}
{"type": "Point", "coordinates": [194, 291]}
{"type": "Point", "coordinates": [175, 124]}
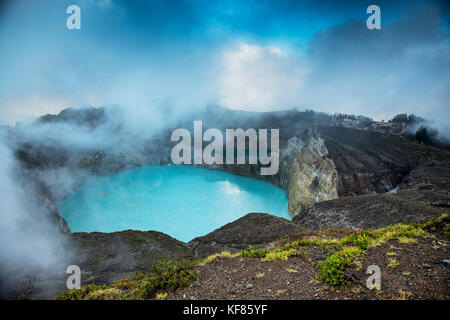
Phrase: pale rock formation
{"type": "Point", "coordinates": [306, 173]}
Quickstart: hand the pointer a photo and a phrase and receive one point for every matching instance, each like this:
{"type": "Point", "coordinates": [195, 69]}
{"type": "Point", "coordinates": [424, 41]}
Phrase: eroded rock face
{"type": "Point", "coordinates": [368, 162]}
{"type": "Point", "coordinates": [306, 173]}
{"type": "Point", "coordinates": [366, 211]}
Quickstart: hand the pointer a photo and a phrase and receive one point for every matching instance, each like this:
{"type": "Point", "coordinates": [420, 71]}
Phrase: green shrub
{"type": "Point", "coordinates": [442, 223]}
{"type": "Point", "coordinates": [165, 276]}
{"type": "Point", "coordinates": [250, 252]}
{"type": "Point", "coordinates": [426, 135]}
{"type": "Point", "coordinates": [332, 269]}
{"type": "Point", "coordinates": [361, 240]}
{"type": "Point", "coordinates": [79, 294]}
{"type": "Point", "coordinates": [304, 243]}
{"type": "Point", "coordinates": [280, 254]}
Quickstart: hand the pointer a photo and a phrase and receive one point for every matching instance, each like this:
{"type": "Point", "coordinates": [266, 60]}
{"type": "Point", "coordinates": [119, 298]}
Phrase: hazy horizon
{"type": "Point", "coordinates": [256, 56]}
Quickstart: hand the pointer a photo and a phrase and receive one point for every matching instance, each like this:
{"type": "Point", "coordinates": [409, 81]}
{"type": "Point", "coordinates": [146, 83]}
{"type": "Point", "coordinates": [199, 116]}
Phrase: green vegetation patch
{"type": "Point", "coordinates": [281, 254]}
{"type": "Point", "coordinates": [213, 257]}
{"type": "Point", "coordinates": [251, 252]}
{"type": "Point", "coordinates": [442, 223]}
{"type": "Point", "coordinates": [362, 240]}
{"type": "Point", "coordinates": [344, 252]}
{"type": "Point", "coordinates": [332, 269]}
{"type": "Point", "coordinates": [164, 277]}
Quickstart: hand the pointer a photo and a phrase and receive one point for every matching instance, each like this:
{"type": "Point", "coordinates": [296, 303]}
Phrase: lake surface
{"type": "Point", "coordinates": [183, 202]}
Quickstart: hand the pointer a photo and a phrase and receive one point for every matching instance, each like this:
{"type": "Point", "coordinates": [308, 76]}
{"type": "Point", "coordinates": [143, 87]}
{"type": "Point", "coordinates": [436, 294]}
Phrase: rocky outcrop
{"type": "Point", "coordinates": [367, 211]}
{"type": "Point", "coordinates": [90, 117]}
{"type": "Point", "coordinates": [104, 258]}
{"type": "Point", "coordinates": [256, 229]}
{"type": "Point", "coordinates": [370, 162]}
{"type": "Point", "coordinates": [366, 162]}
{"type": "Point", "coordinates": [426, 197]}
{"type": "Point", "coordinates": [428, 183]}
{"type": "Point", "coordinates": [315, 164]}
{"type": "Point", "coordinates": [306, 172]}
{"type": "Point", "coordinates": [106, 254]}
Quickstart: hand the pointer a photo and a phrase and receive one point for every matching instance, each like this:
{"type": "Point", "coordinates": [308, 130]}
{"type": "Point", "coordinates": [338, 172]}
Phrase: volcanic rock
{"type": "Point", "coordinates": [256, 229]}
{"type": "Point", "coordinates": [307, 174]}
{"type": "Point", "coordinates": [367, 211]}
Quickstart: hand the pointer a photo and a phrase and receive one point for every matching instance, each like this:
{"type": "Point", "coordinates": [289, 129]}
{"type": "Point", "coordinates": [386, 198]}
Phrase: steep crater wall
{"type": "Point", "coordinates": [317, 163]}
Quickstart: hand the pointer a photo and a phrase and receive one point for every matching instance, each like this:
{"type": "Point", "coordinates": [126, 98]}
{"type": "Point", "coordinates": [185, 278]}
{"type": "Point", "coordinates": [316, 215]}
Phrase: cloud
{"type": "Point", "coordinates": [105, 4]}
{"type": "Point", "coordinates": [256, 78]}
{"type": "Point", "coordinates": [402, 68]}
{"type": "Point", "coordinates": [293, 54]}
{"type": "Point", "coordinates": [27, 108]}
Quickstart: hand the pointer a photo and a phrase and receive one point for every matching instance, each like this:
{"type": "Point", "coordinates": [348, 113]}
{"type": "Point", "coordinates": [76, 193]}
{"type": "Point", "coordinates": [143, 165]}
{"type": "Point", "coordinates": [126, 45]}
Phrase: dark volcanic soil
{"type": "Point", "coordinates": [418, 273]}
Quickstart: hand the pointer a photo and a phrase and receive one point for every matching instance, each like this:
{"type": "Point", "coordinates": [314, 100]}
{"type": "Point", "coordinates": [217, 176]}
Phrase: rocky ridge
{"type": "Point", "coordinates": [104, 258]}
{"type": "Point", "coordinates": [318, 162]}
{"type": "Point", "coordinates": [333, 176]}
{"type": "Point", "coordinates": [253, 229]}
{"type": "Point", "coordinates": [365, 211]}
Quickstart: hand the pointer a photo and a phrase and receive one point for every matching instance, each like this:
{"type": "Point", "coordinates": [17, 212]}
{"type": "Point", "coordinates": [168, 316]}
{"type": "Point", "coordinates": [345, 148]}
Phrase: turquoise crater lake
{"type": "Point", "coordinates": [183, 202]}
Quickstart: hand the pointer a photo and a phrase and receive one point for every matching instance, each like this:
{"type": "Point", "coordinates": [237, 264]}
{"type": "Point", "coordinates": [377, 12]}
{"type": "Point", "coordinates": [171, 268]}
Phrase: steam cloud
{"type": "Point", "coordinates": [30, 243]}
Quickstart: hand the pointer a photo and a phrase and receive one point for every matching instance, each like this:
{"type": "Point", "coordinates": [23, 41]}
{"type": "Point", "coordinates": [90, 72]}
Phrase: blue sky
{"type": "Point", "coordinates": [254, 55]}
